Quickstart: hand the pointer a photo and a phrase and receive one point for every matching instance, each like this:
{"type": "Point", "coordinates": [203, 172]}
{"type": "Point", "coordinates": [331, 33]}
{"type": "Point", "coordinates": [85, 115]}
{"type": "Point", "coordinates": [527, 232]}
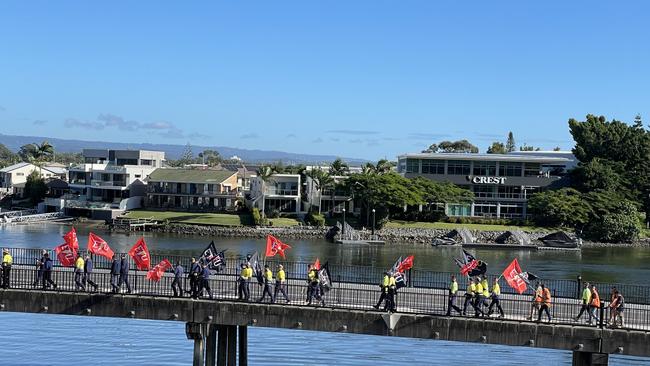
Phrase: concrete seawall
{"type": "Point", "coordinates": [512, 333]}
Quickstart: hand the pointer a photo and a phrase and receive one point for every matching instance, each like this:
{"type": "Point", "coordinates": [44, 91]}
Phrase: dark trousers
{"type": "Point", "coordinates": [280, 287]}
{"type": "Point", "coordinates": [205, 285]}
{"type": "Point", "coordinates": [584, 308]}
{"type": "Point", "coordinates": [243, 291]}
{"type": "Point", "coordinates": [39, 277]}
{"type": "Point", "coordinates": [267, 290]}
{"type": "Point", "coordinates": [47, 280]}
{"type": "Point", "coordinates": [78, 281]}
{"type": "Point", "coordinates": [495, 302]}
{"type": "Point", "coordinates": [115, 280]}
{"type": "Point", "coordinates": [194, 286]}
{"type": "Point", "coordinates": [88, 280]}
{"type": "Point", "coordinates": [391, 301]}
{"type": "Point", "coordinates": [451, 305]}
{"type": "Point", "coordinates": [543, 308]}
{"type": "Point", "coordinates": [468, 301]}
{"type": "Point", "coordinates": [124, 279]}
{"type": "Point", "coordinates": [313, 292]}
{"type": "Point", "coordinates": [382, 297]}
{"type": "Point", "coordinates": [177, 286]}
{"type": "Point", "coordinates": [478, 302]}
{"type": "Point", "coordinates": [6, 271]}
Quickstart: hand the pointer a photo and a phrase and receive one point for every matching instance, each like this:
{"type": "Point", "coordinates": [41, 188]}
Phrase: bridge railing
{"type": "Point", "coordinates": [564, 288]}
{"type": "Point", "coordinates": [341, 296]}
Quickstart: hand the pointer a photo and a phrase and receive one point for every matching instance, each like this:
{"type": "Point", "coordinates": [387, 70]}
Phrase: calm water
{"type": "Point", "coordinates": [28, 339]}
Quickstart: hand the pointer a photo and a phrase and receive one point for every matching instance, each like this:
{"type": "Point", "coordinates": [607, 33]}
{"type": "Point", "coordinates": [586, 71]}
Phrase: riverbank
{"type": "Point", "coordinates": [390, 234]}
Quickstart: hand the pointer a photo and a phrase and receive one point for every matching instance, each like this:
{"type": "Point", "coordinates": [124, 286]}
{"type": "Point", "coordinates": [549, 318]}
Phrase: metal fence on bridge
{"type": "Point", "coordinates": [342, 296]}
{"type": "Point", "coordinates": [563, 288]}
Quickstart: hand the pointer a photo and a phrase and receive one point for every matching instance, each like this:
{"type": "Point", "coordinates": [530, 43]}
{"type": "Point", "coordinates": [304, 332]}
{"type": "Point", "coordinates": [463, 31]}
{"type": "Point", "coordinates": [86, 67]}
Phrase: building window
{"type": "Point", "coordinates": [458, 167]}
{"type": "Point", "coordinates": [532, 169]}
{"type": "Point", "coordinates": [511, 192]}
{"type": "Point", "coordinates": [433, 166]}
{"type": "Point", "coordinates": [485, 210]}
{"type": "Point", "coordinates": [145, 162]}
{"type": "Point", "coordinates": [510, 169]}
{"type": "Point", "coordinates": [459, 210]}
{"type": "Point", "coordinates": [513, 211]}
{"type": "Point", "coordinates": [485, 168]}
{"type": "Point", "coordinates": [413, 166]}
{"type": "Point", "coordinates": [20, 174]}
{"type": "Point", "coordinates": [483, 191]}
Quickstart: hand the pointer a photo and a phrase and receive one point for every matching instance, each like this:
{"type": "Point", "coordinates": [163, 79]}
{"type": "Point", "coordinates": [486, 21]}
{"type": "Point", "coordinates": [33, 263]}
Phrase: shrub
{"type": "Point", "coordinates": [315, 219]}
{"type": "Point", "coordinates": [274, 214]}
{"type": "Point", "coordinates": [257, 218]}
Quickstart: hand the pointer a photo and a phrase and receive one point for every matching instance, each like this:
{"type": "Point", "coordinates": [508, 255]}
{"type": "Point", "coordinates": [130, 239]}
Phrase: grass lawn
{"type": "Point", "coordinates": [200, 218]}
{"type": "Point", "coordinates": [450, 226]}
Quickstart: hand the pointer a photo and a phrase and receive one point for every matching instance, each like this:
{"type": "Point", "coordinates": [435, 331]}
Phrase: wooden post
{"type": "Point", "coordinates": [243, 345]}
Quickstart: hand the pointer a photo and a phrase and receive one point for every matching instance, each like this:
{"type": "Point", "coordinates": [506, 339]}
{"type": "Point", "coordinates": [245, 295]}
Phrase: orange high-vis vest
{"type": "Point", "coordinates": [547, 297]}
{"type": "Point", "coordinates": [538, 295]}
{"type": "Point", "coordinates": [595, 299]}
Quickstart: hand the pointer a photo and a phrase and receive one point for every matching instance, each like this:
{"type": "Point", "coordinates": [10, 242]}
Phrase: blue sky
{"type": "Point", "coordinates": [367, 79]}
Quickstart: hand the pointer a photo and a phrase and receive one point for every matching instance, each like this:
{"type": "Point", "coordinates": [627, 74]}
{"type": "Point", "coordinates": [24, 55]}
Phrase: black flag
{"type": "Point", "coordinates": [325, 278]}
{"type": "Point", "coordinates": [400, 280]}
{"type": "Point", "coordinates": [213, 258]}
{"type": "Point", "coordinates": [257, 268]}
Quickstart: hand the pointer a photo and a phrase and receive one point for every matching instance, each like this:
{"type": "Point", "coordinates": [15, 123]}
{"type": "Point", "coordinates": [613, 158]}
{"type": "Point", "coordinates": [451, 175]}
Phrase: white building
{"type": "Point", "coordinates": [281, 193]}
{"type": "Point", "coordinates": [328, 198]}
{"type": "Point", "coordinates": [110, 181]}
{"type": "Point", "coordinates": [14, 177]}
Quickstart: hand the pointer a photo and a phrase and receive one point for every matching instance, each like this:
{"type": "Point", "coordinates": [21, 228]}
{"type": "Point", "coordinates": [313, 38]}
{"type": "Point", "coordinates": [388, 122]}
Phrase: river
{"type": "Point", "coordinates": [27, 339]}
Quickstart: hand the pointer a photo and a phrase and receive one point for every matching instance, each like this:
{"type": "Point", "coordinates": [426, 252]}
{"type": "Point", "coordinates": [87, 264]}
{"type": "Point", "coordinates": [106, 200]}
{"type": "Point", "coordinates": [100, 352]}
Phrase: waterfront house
{"type": "Point", "coordinates": [14, 177]}
{"type": "Point", "coordinates": [192, 189]}
{"type": "Point", "coordinates": [281, 193]}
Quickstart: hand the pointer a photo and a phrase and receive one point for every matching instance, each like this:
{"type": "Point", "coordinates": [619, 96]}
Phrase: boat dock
{"type": "Point", "coordinates": [135, 224]}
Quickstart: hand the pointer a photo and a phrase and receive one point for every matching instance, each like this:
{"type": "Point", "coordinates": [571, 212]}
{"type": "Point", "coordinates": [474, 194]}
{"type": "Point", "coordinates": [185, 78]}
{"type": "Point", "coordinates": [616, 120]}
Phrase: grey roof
{"type": "Point", "coordinates": [14, 167]}
{"type": "Point", "coordinates": [190, 175]}
{"type": "Point", "coordinates": [487, 157]}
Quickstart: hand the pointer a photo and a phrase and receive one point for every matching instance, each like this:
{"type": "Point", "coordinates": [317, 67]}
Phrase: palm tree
{"type": "Point", "coordinates": [37, 153]}
{"type": "Point", "coordinates": [265, 174]}
{"type": "Point", "coordinates": [339, 167]}
{"type": "Point", "coordinates": [383, 166]}
{"type": "Point", "coordinates": [321, 179]}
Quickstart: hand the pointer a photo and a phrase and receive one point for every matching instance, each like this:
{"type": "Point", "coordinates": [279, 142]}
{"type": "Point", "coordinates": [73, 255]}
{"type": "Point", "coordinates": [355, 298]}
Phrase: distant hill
{"type": "Point", "coordinates": [174, 151]}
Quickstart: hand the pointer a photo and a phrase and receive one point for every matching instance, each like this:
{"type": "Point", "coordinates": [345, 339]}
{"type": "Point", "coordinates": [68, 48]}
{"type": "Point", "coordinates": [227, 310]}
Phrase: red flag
{"type": "Point", "coordinates": [275, 246]}
{"type": "Point", "coordinates": [156, 273]}
{"type": "Point", "coordinates": [71, 239]}
{"type": "Point", "coordinates": [140, 255]}
{"type": "Point", "coordinates": [317, 263]}
{"type": "Point", "coordinates": [66, 254]}
{"type": "Point", "coordinates": [99, 246]}
{"type": "Point", "coordinates": [406, 264]}
{"type": "Point", "coordinates": [512, 274]}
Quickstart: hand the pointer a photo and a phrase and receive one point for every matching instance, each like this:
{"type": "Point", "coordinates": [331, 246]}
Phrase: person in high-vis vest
{"type": "Point", "coordinates": [453, 289]}
{"type": "Point", "coordinates": [545, 304]}
{"type": "Point", "coordinates": [391, 303]}
{"type": "Point", "coordinates": [280, 284]}
{"type": "Point", "coordinates": [469, 295]}
{"type": "Point", "coordinates": [7, 262]}
{"type": "Point", "coordinates": [313, 289]}
{"type": "Point", "coordinates": [594, 305]}
{"type": "Point", "coordinates": [479, 298]}
{"type": "Point", "coordinates": [78, 273]}
{"type": "Point", "coordinates": [496, 293]}
{"type": "Point", "coordinates": [268, 281]}
{"type": "Point", "coordinates": [536, 301]}
{"type": "Point", "coordinates": [384, 289]}
{"type": "Point", "coordinates": [586, 300]}
{"type": "Point", "coordinates": [243, 291]}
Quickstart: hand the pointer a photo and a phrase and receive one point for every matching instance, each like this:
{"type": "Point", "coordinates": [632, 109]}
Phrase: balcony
{"type": "Point", "coordinates": [98, 167]}
{"type": "Point", "coordinates": [171, 191]}
{"type": "Point", "coordinates": [513, 196]}
{"type": "Point", "coordinates": [107, 183]}
{"type": "Point", "coordinates": [281, 192]}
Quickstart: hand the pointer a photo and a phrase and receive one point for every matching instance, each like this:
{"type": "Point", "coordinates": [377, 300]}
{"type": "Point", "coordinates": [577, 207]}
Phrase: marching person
{"type": "Point", "coordinates": [453, 289]}
{"type": "Point", "coordinates": [38, 279]}
{"type": "Point", "coordinates": [479, 298]}
{"type": "Point", "coordinates": [243, 290]}
{"type": "Point", "coordinates": [594, 305]}
{"type": "Point", "coordinates": [177, 284]}
{"type": "Point", "coordinates": [115, 274]}
{"type": "Point", "coordinates": [79, 265]}
{"type": "Point", "coordinates": [384, 289]}
{"type": "Point", "coordinates": [7, 262]}
{"type": "Point", "coordinates": [469, 295]}
{"type": "Point", "coordinates": [195, 271]}
{"type": "Point", "coordinates": [280, 283]}
{"type": "Point", "coordinates": [617, 308]}
{"type": "Point", "coordinates": [496, 292]}
{"type": "Point", "coordinates": [536, 301]}
{"type": "Point", "coordinates": [545, 303]}
{"type": "Point", "coordinates": [124, 274]}
{"type": "Point", "coordinates": [268, 280]}
{"type": "Point", "coordinates": [47, 272]}
{"type": "Point", "coordinates": [586, 300]}
{"type": "Point", "coordinates": [205, 280]}
{"type": "Point", "coordinates": [313, 291]}
{"type": "Point", "coordinates": [88, 271]}
{"type": "Point", "coordinates": [391, 304]}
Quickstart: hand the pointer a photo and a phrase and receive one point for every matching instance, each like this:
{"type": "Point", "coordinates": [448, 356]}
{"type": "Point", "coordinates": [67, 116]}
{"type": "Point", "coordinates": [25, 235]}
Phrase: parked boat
{"type": "Point", "coordinates": [561, 239]}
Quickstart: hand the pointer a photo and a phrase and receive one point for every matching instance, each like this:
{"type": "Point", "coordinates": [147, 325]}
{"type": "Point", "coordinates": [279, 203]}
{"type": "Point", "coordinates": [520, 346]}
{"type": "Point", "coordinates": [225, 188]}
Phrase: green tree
{"type": "Point", "coordinates": [7, 157]}
{"type": "Point", "coordinates": [265, 174]}
{"type": "Point", "coordinates": [320, 180]}
{"type": "Point", "coordinates": [35, 188]}
{"type": "Point", "coordinates": [525, 147]}
{"type": "Point", "coordinates": [210, 157]}
{"type": "Point", "coordinates": [599, 174]}
{"type": "Point", "coordinates": [433, 148]}
{"type": "Point", "coordinates": [460, 146]}
{"type": "Point", "coordinates": [338, 167]}
{"type": "Point", "coordinates": [187, 157]}
{"type": "Point", "coordinates": [622, 225]}
{"type": "Point", "coordinates": [562, 208]}
{"type": "Point", "coordinates": [510, 143]}
{"type": "Point", "coordinates": [497, 148]}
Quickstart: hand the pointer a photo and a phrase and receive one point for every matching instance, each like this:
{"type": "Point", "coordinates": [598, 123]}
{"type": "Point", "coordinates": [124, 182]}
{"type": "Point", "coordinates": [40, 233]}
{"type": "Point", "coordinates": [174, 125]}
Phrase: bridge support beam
{"type": "Point", "coordinates": [211, 345]}
{"type": "Point", "coordinates": [590, 359]}
{"type": "Point", "coordinates": [243, 345]}
{"type": "Point", "coordinates": [196, 332]}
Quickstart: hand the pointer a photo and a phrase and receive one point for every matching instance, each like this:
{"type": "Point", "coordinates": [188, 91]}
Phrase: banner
{"type": "Point", "coordinates": [99, 246]}
{"type": "Point", "coordinates": [396, 265]}
{"type": "Point", "coordinates": [213, 258]}
{"type": "Point", "coordinates": [275, 246]}
{"type": "Point", "coordinates": [513, 276]}
{"type": "Point", "coordinates": [317, 264]}
{"type": "Point", "coordinates": [400, 280]}
{"type": "Point", "coordinates": [66, 254]}
{"type": "Point", "coordinates": [325, 278]}
{"type": "Point", "coordinates": [406, 264]}
{"type": "Point", "coordinates": [70, 238]}
{"type": "Point", "coordinates": [257, 268]}
{"type": "Point", "coordinates": [157, 272]}
{"type": "Point", "coordinates": [140, 254]}
{"type": "Point", "coordinates": [470, 266]}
